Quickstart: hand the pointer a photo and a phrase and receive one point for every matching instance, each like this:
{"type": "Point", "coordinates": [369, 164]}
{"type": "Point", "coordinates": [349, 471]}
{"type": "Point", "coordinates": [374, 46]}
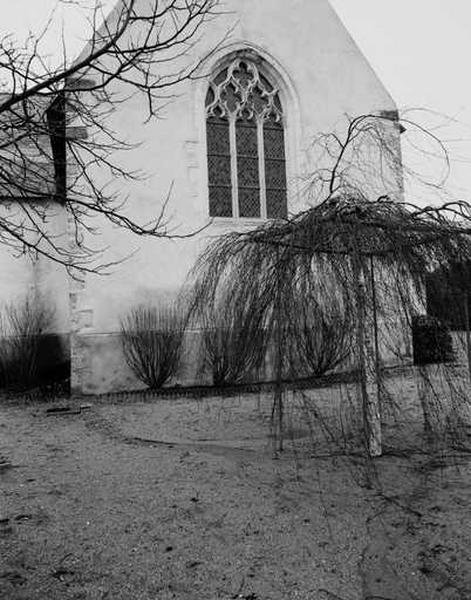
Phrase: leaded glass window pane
{"type": "Point", "coordinates": [275, 176]}
{"type": "Point", "coordinates": [249, 203]}
{"type": "Point", "coordinates": [276, 204]}
{"type": "Point", "coordinates": [217, 133]}
{"type": "Point", "coordinates": [220, 202]}
{"type": "Point", "coordinates": [245, 139]}
{"type": "Point", "coordinates": [219, 170]}
{"type": "Point", "coordinates": [247, 142]}
{"type": "Point", "coordinates": [274, 140]}
{"type": "Point", "coordinates": [219, 167]}
{"type": "Point", "coordinates": [275, 169]}
{"type": "Point", "coordinates": [248, 169]}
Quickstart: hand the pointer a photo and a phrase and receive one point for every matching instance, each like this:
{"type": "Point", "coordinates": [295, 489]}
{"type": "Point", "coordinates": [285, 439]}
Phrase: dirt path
{"type": "Point", "coordinates": [89, 511]}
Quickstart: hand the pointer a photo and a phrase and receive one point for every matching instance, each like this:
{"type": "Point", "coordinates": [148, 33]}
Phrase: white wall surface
{"type": "Point", "coordinates": [322, 77]}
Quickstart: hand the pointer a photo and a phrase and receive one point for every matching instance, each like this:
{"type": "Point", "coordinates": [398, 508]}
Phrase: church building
{"type": "Point", "coordinates": [231, 150]}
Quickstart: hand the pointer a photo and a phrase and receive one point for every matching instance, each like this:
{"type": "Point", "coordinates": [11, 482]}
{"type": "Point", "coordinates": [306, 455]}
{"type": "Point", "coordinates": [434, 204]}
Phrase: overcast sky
{"type": "Point", "coordinates": [421, 49]}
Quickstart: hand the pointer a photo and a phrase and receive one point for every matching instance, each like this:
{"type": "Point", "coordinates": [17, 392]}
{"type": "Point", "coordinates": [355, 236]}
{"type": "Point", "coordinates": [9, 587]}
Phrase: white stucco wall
{"type": "Point", "coordinates": [17, 276]}
{"type": "Point", "coordinates": [322, 76]}
{"type": "Point", "coordinates": [27, 276]}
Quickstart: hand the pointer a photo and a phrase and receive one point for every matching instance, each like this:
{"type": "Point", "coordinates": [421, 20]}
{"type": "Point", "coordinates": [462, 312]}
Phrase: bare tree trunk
{"type": "Point", "coordinates": [366, 364]}
{"type": "Point", "coordinates": [375, 330]}
{"type": "Point", "coordinates": [468, 335]}
{"type": "Point", "coordinates": [277, 413]}
{"type": "Point", "coordinates": [278, 404]}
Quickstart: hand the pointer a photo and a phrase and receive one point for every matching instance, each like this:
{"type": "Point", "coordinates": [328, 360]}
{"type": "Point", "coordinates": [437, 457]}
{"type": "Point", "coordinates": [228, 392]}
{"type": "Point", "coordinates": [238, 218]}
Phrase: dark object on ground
{"type": "Point", "coordinates": [431, 341]}
{"type": "Point", "coordinates": [62, 410]}
{"type": "Point", "coordinates": [23, 517]}
{"type": "Point", "coordinates": [67, 410]}
{"type": "Point", "coordinates": [61, 574]}
{"type": "Point", "coordinates": [4, 463]}
{"type": "Point", "coordinates": [13, 577]}
{"type": "Point", "coordinates": [5, 527]}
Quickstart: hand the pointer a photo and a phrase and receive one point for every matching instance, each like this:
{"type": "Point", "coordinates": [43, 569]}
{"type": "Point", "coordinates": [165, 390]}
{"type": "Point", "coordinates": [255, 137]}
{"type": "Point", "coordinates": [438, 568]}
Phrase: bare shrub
{"type": "Point", "coordinates": [233, 354]}
{"type": "Point", "coordinates": [22, 327]}
{"type": "Point", "coordinates": [320, 332]}
{"type": "Point", "coordinates": [235, 340]}
{"type": "Point", "coordinates": [152, 341]}
{"type": "Point", "coordinates": [323, 346]}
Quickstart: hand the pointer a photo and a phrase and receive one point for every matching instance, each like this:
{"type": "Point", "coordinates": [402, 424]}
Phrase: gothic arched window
{"type": "Point", "coordinates": [246, 148]}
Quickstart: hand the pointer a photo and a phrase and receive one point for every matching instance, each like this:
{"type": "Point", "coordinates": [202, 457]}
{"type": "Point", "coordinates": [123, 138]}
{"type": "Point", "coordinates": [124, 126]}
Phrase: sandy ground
{"type": "Point", "coordinates": [182, 499]}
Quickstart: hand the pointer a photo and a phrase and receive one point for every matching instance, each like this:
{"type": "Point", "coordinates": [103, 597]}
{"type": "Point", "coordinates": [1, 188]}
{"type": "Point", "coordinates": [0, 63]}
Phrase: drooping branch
{"type": "Point", "coordinates": [321, 259]}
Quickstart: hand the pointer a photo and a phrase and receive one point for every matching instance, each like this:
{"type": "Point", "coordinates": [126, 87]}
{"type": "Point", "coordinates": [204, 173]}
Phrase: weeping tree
{"type": "Point", "coordinates": [366, 255]}
{"type": "Point", "coordinates": [370, 257]}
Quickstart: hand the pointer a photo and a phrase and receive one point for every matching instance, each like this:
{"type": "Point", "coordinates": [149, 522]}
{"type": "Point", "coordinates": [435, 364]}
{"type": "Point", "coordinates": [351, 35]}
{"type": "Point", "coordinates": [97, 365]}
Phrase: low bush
{"type": "Point", "coordinates": [23, 327]}
{"type": "Point", "coordinates": [322, 346]}
{"type": "Point", "coordinates": [232, 355]}
{"type": "Point", "coordinates": [152, 340]}
{"type": "Point", "coordinates": [320, 336]}
{"type": "Point", "coordinates": [431, 341]}
{"type": "Point", "coordinates": [235, 341]}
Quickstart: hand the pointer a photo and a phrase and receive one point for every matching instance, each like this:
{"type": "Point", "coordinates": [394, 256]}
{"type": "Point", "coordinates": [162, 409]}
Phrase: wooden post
{"type": "Point", "coordinates": [366, 362]}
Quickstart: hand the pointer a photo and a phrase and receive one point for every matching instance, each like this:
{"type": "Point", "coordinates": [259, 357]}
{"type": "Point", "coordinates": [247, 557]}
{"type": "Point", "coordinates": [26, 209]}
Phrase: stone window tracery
{"type": "Point", "coordinates": [245, 144]}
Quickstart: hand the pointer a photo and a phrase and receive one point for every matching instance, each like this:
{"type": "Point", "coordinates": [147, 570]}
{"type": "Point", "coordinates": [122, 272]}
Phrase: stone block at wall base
{"type": "Point", "coordinates": [98, 365]}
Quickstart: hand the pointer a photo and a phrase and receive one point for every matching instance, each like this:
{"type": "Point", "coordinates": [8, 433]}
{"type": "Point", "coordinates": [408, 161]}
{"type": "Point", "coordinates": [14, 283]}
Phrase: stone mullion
{"type": "Point", "coordinates": [234, 180]}
{"type": "Point", "coordinates": [261, 168]}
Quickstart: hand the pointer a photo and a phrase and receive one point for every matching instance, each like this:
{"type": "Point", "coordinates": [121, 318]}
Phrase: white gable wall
{"type": "Point", "coordinates": [321, 75]}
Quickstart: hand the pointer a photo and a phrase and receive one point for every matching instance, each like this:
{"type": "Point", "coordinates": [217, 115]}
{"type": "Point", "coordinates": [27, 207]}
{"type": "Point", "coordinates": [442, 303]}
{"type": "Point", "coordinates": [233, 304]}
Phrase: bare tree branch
{"type": "Point", "coordinates": [55, 131]}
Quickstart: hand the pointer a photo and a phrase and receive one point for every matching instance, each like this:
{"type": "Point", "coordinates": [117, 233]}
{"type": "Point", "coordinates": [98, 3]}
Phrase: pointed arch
{"type": "Point", "coordinates": [245, 141]}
